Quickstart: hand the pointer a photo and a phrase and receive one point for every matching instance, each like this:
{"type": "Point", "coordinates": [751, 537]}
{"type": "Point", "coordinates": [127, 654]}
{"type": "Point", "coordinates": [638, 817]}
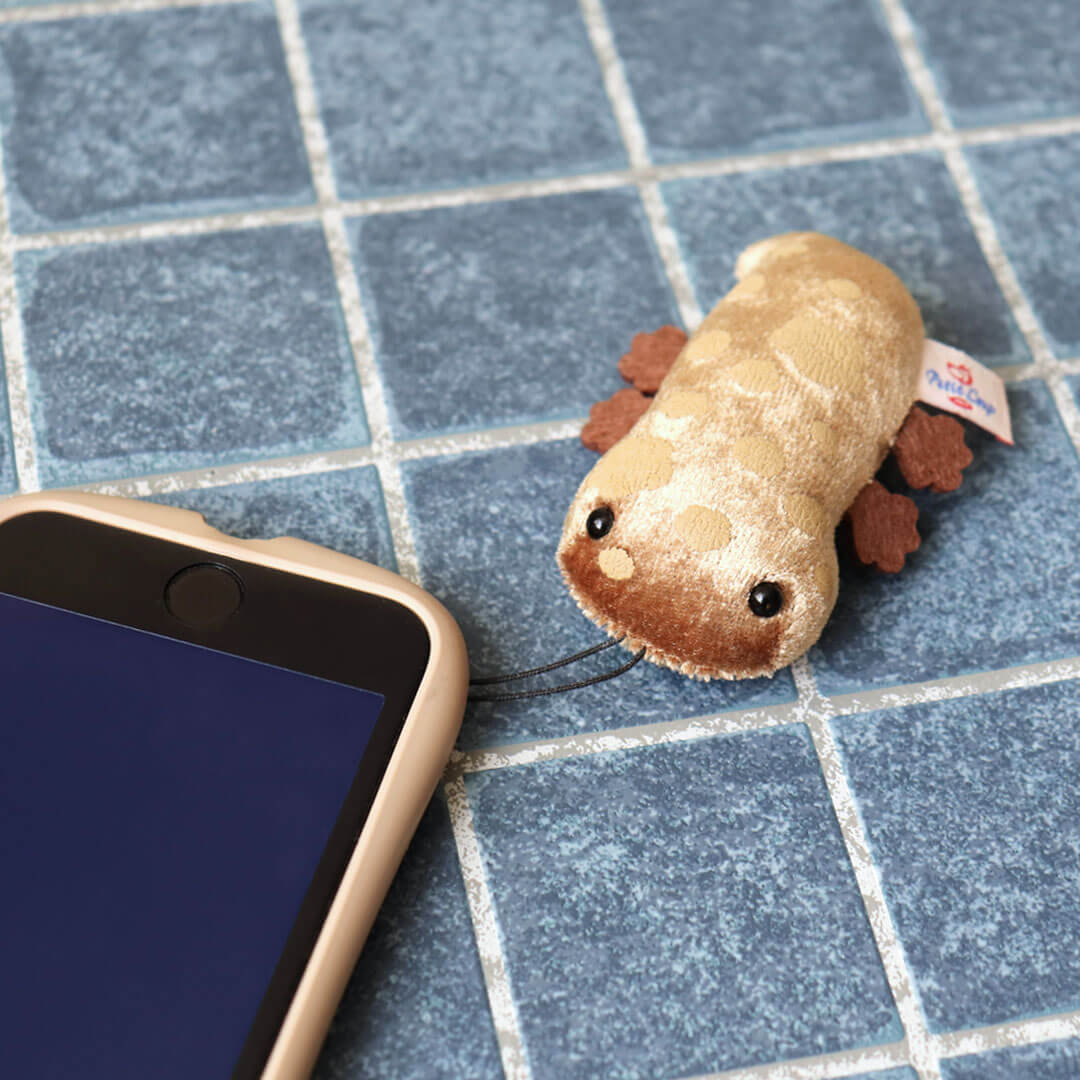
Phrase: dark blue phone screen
{"type": "Point", "coordinates": [162, 811]}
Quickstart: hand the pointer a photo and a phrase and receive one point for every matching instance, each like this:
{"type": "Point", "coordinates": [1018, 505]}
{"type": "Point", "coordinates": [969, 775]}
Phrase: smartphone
{"type": "Point", "coordinates": [213, 754]}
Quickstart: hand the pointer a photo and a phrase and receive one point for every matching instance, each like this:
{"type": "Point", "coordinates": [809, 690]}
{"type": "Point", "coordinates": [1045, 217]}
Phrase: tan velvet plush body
{"type": "Point", "coordinates": [776, 414]}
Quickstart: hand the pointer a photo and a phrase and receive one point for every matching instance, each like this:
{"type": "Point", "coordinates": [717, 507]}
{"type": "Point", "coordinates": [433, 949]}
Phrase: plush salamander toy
{"type": "Point", "coordinates": [705, 534]}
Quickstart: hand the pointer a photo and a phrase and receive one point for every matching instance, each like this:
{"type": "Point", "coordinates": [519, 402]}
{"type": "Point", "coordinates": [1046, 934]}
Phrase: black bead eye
{"type": "Point", "coordinates": [599, 522]}
{"type": "Point", "coordinates": [766, 599]}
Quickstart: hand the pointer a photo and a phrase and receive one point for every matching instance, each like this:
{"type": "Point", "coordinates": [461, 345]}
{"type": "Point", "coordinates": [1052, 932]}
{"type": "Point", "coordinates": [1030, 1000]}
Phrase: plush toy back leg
{"type": "Point", "coordinates": [931, 452]}
{"type": "Point", "coordinates": [883, 527]}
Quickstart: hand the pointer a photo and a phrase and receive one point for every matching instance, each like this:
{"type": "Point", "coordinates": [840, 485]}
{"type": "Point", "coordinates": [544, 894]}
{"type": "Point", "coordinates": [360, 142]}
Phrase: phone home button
{"type": "Point", "coordinates": [204, 595]}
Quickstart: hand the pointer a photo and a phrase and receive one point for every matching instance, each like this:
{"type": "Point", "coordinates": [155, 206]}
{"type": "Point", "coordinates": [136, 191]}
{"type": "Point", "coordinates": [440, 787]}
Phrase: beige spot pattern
{"type": "Point", "coordinates": [807, 514]}
{"type": "Point", "coordinates": [683, 403]}
{"type": "Point", "coordinates": [822, 352]}
{"type": "Point", "coordinates": [759, 455]}
{"type": "Point", "coordinates": [844, 288]}
{"type": "Point", "coordinates": [703, 529]}
{"type": "Point", "coordinates": [756, 376]}
{"type": "Point", "coordinates": [824, 580]}
{"type": "Point", "coordinates": [636, 463]}
{"type": "Point", "coordinates": [824, 436]}
{"type": "Point", "coordinates": [707, 346]}
{"type": "Point", "coordinates": [616, 563]}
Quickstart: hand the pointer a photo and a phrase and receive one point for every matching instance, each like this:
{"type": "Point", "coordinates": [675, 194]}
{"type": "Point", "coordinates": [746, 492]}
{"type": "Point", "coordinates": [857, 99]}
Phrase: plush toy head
{"type": "Point", "coordinates": [649, 559]}
{"type": "Point", "coordinates": [705, 534]}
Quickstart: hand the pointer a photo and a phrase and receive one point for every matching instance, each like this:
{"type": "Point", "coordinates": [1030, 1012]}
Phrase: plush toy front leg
{"type": "Point", "coordinates": [883, 527]}
{"type": "Point", "coordinates": [645, 365]}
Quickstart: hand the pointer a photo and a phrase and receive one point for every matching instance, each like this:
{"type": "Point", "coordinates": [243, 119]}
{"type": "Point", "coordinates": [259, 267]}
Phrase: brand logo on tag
{"type": "Point", "coordinates": [953, 381]}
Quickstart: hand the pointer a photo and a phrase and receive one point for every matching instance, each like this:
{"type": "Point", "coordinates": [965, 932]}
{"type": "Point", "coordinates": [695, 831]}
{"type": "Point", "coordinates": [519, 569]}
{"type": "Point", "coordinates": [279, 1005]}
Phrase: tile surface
{"type": "Point", "coordinates": [184, 352]}
{"type": "Point", "coordinates": [902, 210]}
{"type": "Point", "coordinates": [340, 510]}
{"type": "Point", "coordinates": [509, 312]}
{"type": "Point", "coordinates": [450, 93]}
{"type": "Point", "coordinates": [149, 114]}
{"type": "Point", "coordinates": [487, 525]}
{"type": "Point", "coordinates": [973, 817]}
{"type": "Point", "coordinates": [1032, 189]}
{"type": "Point", "coordinates": [992, 585]}
{"type": "Point", "coordinates": [997, 61]}
{"type": "Point", "coordinates": [678, 909]}
{"type": "Point", "coordinates": [416, 1008]}
{"type": "Point", "coordinates": [1050, 1061]}
{"type": "Point", "coordinates": [752, 75]}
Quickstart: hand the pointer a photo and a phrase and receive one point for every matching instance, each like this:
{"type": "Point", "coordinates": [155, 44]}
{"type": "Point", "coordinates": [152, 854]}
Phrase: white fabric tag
{"type": "Point", "coordinates": [953, 381]}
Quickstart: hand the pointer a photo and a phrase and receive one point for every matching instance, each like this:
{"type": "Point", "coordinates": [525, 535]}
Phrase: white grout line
{"type": "Point", "coordinates": [734, 721]}
{"type": "Point", "coordinates": [637, 150]}
{"type": "Point", "coordinates": [1012, 1033]}
{"type": "Point", "coordinates": [1023, 676]}
{"type": "Point", "coordinates": [49, 12]}
{"type": "Point", "coordinates": [821, 1066]}
{"type": "Point", "coordinates": [515, 1060]}
{"type": "Point", "coordinates": [643, 176]}
{"type": "Point", "coordinates": [11, 341]}
{"type": "Point", "coordinates": [628, 738]}
{"type": "Point", "coordinates": [1045, 366]}
{"type": "Point", "coordinates": [335, 460]}
{"type": "Point", "coordinates": [816, 713]}
{"type": "Point", "coordinates": [378, 418]}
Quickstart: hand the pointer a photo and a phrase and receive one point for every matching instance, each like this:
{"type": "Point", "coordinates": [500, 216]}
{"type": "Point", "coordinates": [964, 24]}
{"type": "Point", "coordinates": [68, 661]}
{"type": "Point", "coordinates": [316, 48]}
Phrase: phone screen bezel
{"type": "Point", "coordinates": [290, 620]}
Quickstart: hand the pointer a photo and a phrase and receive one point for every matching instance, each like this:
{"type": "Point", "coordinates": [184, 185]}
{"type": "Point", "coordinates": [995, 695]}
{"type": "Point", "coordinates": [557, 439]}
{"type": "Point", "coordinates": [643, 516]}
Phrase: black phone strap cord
{"type": "Point", "coordinates": [544, 691]}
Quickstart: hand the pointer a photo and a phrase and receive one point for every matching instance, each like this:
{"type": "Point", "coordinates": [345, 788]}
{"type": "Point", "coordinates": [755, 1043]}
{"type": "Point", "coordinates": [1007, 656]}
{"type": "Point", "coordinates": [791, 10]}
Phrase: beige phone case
{"type": "Point", "coordinates": [407, 786]}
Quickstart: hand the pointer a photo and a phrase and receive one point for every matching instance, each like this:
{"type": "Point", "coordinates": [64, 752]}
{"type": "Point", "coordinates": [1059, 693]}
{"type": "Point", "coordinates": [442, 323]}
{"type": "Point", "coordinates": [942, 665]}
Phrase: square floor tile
{"type": "Point", "coordinates": [148, 114]}
{"type": "Point", "coordinates": [1046, 1061]}
{"type": "Point", "coordinates": [508, 312]}
{"type": "Point", "coordinates": [995, 581]}
{"type": "Point", "coordinates": [1032, 190]}
{"type": "Point", "coordinates": [416, 1008]}
{"type": "Point", "coordinates": [457, 92]}
{"type": "Point", "coordinates": [340, 510]}
{"type": "Point", "coordinates": [904, 211]}
{"type": "Point", "coordinates": [487, 526]}
{"type": "Point", "coordinates": [972, 813]}
{"type": "Point", "coordinates": [679, 909]}
{"type": "Point", "coordinates": [173, 354]}
{"type": "Point", "coordinates": [752, 75]}
{"type": "Point", "coordinates": [997, 60]}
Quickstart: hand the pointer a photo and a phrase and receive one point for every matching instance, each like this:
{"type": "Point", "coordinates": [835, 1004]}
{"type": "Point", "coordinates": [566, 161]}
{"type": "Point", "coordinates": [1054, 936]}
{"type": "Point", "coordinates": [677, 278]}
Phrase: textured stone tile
{"type": "Point", "coordinates": [996, 580]}
{"type": "Point", "coordinates": [998, 61]}
{"type": "Point", "coordinates": [146, 115]}
{"type": "Point", "coordinates": [1032, 190]}
{"type": "Point", "coordinates": [680, 909]}
{"type": "Point", "coordinates": [973, 817]}
{"type": "Point", "coordinates": [416, 1008]}
{"type": "Point", "coordinates": [486, 527]}
{"type": "Point", "coordinates": [171, 354]}
{"type": "Point", "coordinates": [751, 75]}
{"type": "Point", "coordinates": [339, 510]}
{"type": "Point", "coordinates": [1045, 1061]}
{"type": "Point", "coordinates": [902, 210]}
{"type": "Point", "coordinates": [508, 312]}
{"type": "Point", "coordinates": [452, 93]}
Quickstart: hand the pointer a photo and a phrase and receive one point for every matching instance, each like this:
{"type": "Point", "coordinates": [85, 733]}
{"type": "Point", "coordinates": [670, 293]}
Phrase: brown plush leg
{"type": "Point", "coordinates": [931, 452]}
{"type": "Point", "coordinates": [610, 420]}
{"type": "Point", "coordinates": [650, 357]}
{"type": "Point", "coordinates": [883, 526]}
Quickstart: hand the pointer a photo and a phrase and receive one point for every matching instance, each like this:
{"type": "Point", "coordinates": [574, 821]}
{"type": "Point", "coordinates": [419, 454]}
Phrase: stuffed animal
{"type": "Point", "coordinates": [705, 534]}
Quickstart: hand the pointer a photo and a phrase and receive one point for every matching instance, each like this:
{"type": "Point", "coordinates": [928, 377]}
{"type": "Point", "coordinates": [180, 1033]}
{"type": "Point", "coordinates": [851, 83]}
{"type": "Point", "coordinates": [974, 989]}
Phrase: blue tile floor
{"type": "Point", "coordinates": [659, 881]}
